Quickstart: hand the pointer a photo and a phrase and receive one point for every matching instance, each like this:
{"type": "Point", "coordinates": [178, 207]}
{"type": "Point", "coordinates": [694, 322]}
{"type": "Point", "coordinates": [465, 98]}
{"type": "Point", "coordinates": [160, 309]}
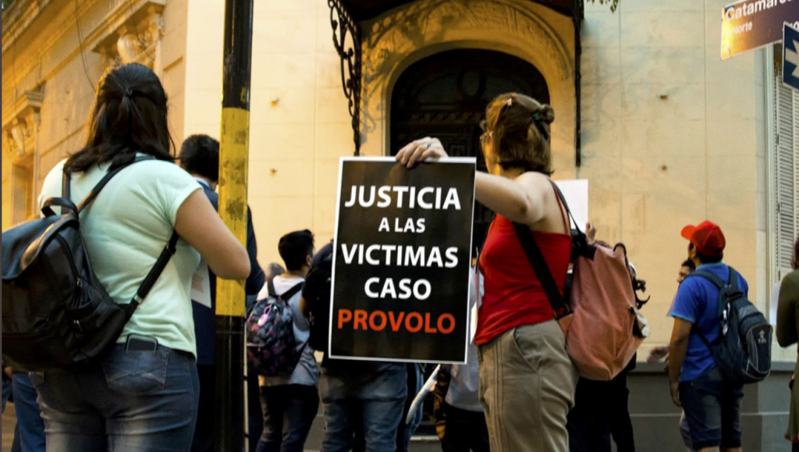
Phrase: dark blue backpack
{"type": "Point", "coordinates": [743, 350]}
{"type": "Point", "coordinates": [271, 347]}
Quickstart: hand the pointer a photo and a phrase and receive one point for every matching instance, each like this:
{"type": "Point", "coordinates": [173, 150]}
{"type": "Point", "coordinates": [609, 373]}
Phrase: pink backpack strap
{"type": "Point", "coordinates": [561, 207]}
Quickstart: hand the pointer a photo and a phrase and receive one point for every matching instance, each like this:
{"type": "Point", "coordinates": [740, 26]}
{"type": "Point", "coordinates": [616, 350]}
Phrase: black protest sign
{"type": "Point", "coordinates": [402, 259]}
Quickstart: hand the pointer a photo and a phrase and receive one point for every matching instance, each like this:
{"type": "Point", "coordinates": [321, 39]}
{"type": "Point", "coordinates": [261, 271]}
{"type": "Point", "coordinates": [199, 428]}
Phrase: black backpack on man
{"type": "Point", "coordinates": [743, 350]}
{"type": "Point", "coordinates": [56, 313]}
{"type": "Point", "coordinates": [318, 301]}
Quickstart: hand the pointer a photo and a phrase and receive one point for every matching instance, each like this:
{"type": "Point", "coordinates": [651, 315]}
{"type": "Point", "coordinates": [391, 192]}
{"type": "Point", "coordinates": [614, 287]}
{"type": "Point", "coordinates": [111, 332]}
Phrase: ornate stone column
{"type": "Point", "coordinates": [21, 136]}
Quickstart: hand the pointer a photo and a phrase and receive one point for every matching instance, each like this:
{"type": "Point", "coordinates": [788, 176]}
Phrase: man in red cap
{"type": "Point", "coordinates": [711, 405]}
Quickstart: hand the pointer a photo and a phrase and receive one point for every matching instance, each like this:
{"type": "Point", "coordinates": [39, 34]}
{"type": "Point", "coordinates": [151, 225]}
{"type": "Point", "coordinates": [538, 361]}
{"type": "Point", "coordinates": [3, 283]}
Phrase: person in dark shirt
{"type": "Point", "coordinates": [661, 353]}
{"type": "Point", "coordinates": [788, 334]}
{"type": "Point", "coordinates": [199, 156]}
{"type": "Point", "coordinates": [369, 393]}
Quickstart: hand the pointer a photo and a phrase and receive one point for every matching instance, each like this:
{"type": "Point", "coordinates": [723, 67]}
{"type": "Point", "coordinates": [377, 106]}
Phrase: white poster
{"type": "Point", "coordinates": [775, 301]}
{"type": "Point", "coordinates": [201, 285]}
{"type": "Point", "coordinates": [576, 194]}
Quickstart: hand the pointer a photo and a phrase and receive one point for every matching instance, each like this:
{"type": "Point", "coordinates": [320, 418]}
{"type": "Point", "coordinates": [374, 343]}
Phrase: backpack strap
{"type": "Point", "coordinates": [720, 285]}
{"type": "Point", "coordinates": [64, 203]}
{"type": "Point", "coordinates": [733, 281]}
{"type": "Point", "coordinates": [562, 200]}
{"type": "Point", "coordinates": [539, 264]}
{"type": "Point", "coordinates": [100, 185]}
{"type": "Point", "coordinates": [285, 296]}
{"type": "Point", "coordinates": [715, 280]}
{"type": "Point", "coordinates": [152, 276]}
{"type": "Point", "coordinates": [66, 184]}
{"type": "Point", "coordinates": [562, 207]}
{"type": "Point", "coordinates": [166, 253]}
{"type": "Point", "coordinates": [580, 246]}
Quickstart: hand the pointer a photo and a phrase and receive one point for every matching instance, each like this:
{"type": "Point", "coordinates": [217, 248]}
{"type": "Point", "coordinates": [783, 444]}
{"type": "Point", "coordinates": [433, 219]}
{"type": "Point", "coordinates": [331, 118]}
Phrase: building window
{"type": "Point", "coordinates": [784, 171]}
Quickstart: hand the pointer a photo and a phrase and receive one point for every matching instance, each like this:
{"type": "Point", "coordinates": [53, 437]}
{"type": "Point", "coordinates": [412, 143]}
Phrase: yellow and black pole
{"type": "Point", "coordinates": [233, 162]}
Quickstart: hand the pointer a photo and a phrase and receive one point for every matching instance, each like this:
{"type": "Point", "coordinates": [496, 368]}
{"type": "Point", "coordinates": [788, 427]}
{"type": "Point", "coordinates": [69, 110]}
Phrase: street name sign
{"type": "Point", "coordinates": [751, 24]}
{"type": "Point", "coordinates": [790, 56]}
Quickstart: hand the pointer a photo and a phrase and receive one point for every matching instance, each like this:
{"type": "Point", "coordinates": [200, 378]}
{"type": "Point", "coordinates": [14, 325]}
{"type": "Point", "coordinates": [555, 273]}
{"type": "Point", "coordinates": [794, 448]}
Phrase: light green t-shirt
{"type": "Point", "coordinates": [125, 229]}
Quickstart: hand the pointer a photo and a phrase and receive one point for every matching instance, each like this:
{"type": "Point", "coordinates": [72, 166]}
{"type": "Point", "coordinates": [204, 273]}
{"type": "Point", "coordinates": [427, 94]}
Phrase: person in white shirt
{"type": "Point", "coordinates": [290, 402]}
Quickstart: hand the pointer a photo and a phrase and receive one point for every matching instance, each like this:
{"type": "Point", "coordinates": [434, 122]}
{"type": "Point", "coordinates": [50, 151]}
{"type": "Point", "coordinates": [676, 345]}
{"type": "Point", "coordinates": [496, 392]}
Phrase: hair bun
{"type": "Point", "coordinates": [547, 113]}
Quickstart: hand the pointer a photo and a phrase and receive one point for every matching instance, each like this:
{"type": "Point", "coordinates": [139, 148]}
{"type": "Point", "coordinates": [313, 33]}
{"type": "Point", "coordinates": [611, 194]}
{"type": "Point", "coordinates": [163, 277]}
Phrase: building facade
{"type": "Point", "coordinates": [666, 132]}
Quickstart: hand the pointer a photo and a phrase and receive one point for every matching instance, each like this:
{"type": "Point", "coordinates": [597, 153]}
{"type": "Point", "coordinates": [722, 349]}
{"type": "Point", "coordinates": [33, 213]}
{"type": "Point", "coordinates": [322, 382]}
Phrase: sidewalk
{"type": "Point", "coordinates": [9, 422]}
{"type": "Point", "coordinates": [312, 445]}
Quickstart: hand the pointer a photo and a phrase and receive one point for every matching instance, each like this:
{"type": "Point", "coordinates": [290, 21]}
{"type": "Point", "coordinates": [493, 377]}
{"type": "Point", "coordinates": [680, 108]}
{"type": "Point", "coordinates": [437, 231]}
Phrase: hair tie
{"type": "Point", "coordinates": [536, 120]}
{"type": "Point", "coordinates": [129, 93]}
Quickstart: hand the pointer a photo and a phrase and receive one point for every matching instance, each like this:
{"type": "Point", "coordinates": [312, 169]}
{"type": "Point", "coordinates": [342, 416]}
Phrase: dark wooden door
{"type": "Point", "coordinates": [445, 96]}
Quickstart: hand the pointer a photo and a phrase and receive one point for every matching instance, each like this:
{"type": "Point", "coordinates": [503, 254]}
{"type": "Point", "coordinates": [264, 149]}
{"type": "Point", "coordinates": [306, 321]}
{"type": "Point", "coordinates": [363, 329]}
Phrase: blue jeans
{"type": "Point", "coordinates": [30, 426]}
{"type": "Point", "coordinates": [712, 409]}
{"type": "Point", "coordinates": [289, 412]}
{"type": "Point", "coordinates": [375, 399]}
{"type": "Point", "coordinates": [415, 383]}
{"type": "Point", "coordinates": [131, 401]}
{"type": "Point", "coordinates": [6, 392]}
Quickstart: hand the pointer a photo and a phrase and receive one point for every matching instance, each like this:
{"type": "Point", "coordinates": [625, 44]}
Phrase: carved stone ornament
{"type": "Point", "coordinates": [431, 22]}
{"type": "Point", "coordinates": [20, 130]}
{"type": "Point", "coordinates": [129, 47]}
{"type": "Point", "coordinates": [415, 30]}
{"type": "Point", "coordinates": [134, 35]}
{"type": "Point", "coordinates": [16, 138]}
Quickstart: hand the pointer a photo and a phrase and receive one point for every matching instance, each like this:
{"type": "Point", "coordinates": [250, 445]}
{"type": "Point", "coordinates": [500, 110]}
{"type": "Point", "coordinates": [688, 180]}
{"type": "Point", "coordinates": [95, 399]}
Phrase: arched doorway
{"type": "Point", "coordinates": [445, 96]}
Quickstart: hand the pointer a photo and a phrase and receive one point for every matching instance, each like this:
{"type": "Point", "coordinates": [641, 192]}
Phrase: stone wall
{"type": "Point", "coordinates": [672, 135]}
{"type": "Point", "coordinates": [299, 124]}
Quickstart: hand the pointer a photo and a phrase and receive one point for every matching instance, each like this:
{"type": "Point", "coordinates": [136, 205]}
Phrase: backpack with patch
{"type": "Point", "coordinates": [271, 346]}
{"type": "Point", "coordinates": [743, 350]}
{"type": "Point", "coordinates": [317, 301]}
{"type": "Point", "coordinates": [56, 313]}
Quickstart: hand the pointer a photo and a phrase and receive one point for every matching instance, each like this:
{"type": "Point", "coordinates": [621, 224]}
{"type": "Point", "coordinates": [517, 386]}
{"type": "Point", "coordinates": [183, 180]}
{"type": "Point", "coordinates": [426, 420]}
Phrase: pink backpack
{"type": "Point", "coordinates": [599, 317]}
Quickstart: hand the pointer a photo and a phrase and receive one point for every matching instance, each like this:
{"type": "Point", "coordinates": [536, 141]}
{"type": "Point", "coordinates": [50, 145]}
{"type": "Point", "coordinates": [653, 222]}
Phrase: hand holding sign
{"type": "Point", "coordinates": [421, 150]}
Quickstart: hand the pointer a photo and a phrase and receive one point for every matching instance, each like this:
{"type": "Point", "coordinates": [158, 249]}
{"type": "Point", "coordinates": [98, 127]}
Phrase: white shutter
{"type": "Point", "coordinates": [786, 174]}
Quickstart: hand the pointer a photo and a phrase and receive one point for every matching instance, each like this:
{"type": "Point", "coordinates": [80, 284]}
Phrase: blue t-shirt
{"type": "Point", "coordinates": [697, 302]}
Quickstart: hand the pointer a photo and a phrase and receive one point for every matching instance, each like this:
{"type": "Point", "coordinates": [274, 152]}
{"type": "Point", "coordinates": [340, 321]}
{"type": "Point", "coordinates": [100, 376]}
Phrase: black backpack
{"type": "Point", "coordinates": [318, 302]}
{"type": "Point", "coordinates": [56, 314]}
{"type": "Point", "coordinates": [743, 350]}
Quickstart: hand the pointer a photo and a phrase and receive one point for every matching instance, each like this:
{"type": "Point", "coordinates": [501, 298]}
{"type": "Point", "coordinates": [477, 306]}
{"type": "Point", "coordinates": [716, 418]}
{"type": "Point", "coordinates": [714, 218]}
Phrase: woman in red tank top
{"type": "Point", "coordinates": [526, 378]}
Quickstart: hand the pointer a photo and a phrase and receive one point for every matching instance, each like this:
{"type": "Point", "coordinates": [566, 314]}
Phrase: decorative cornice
{"type": "Point", "coordinates": [427, 20]}
{"type": "Point", "coordinates": [28, 102]}
{"type": "Point", "coordinates": [18, 17]}
{"type": "Point", "coordinates": [20, 126]}
{"type": "Point", "coordinates": [64, 22]}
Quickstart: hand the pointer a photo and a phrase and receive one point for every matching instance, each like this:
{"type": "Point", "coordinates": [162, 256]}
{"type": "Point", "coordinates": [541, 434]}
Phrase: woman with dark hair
{"type": "Point", "coordinates": [526, 378]}
{"type": "Point", "coordinates": [787, 328]}
{"type": "Point", "coordinates": [143, 395]}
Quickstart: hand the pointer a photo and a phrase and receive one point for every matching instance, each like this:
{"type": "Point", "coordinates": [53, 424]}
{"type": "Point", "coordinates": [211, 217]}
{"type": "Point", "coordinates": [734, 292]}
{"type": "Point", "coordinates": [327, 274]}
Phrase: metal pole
{"type": "Point", "coordinates": [233, 160]}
